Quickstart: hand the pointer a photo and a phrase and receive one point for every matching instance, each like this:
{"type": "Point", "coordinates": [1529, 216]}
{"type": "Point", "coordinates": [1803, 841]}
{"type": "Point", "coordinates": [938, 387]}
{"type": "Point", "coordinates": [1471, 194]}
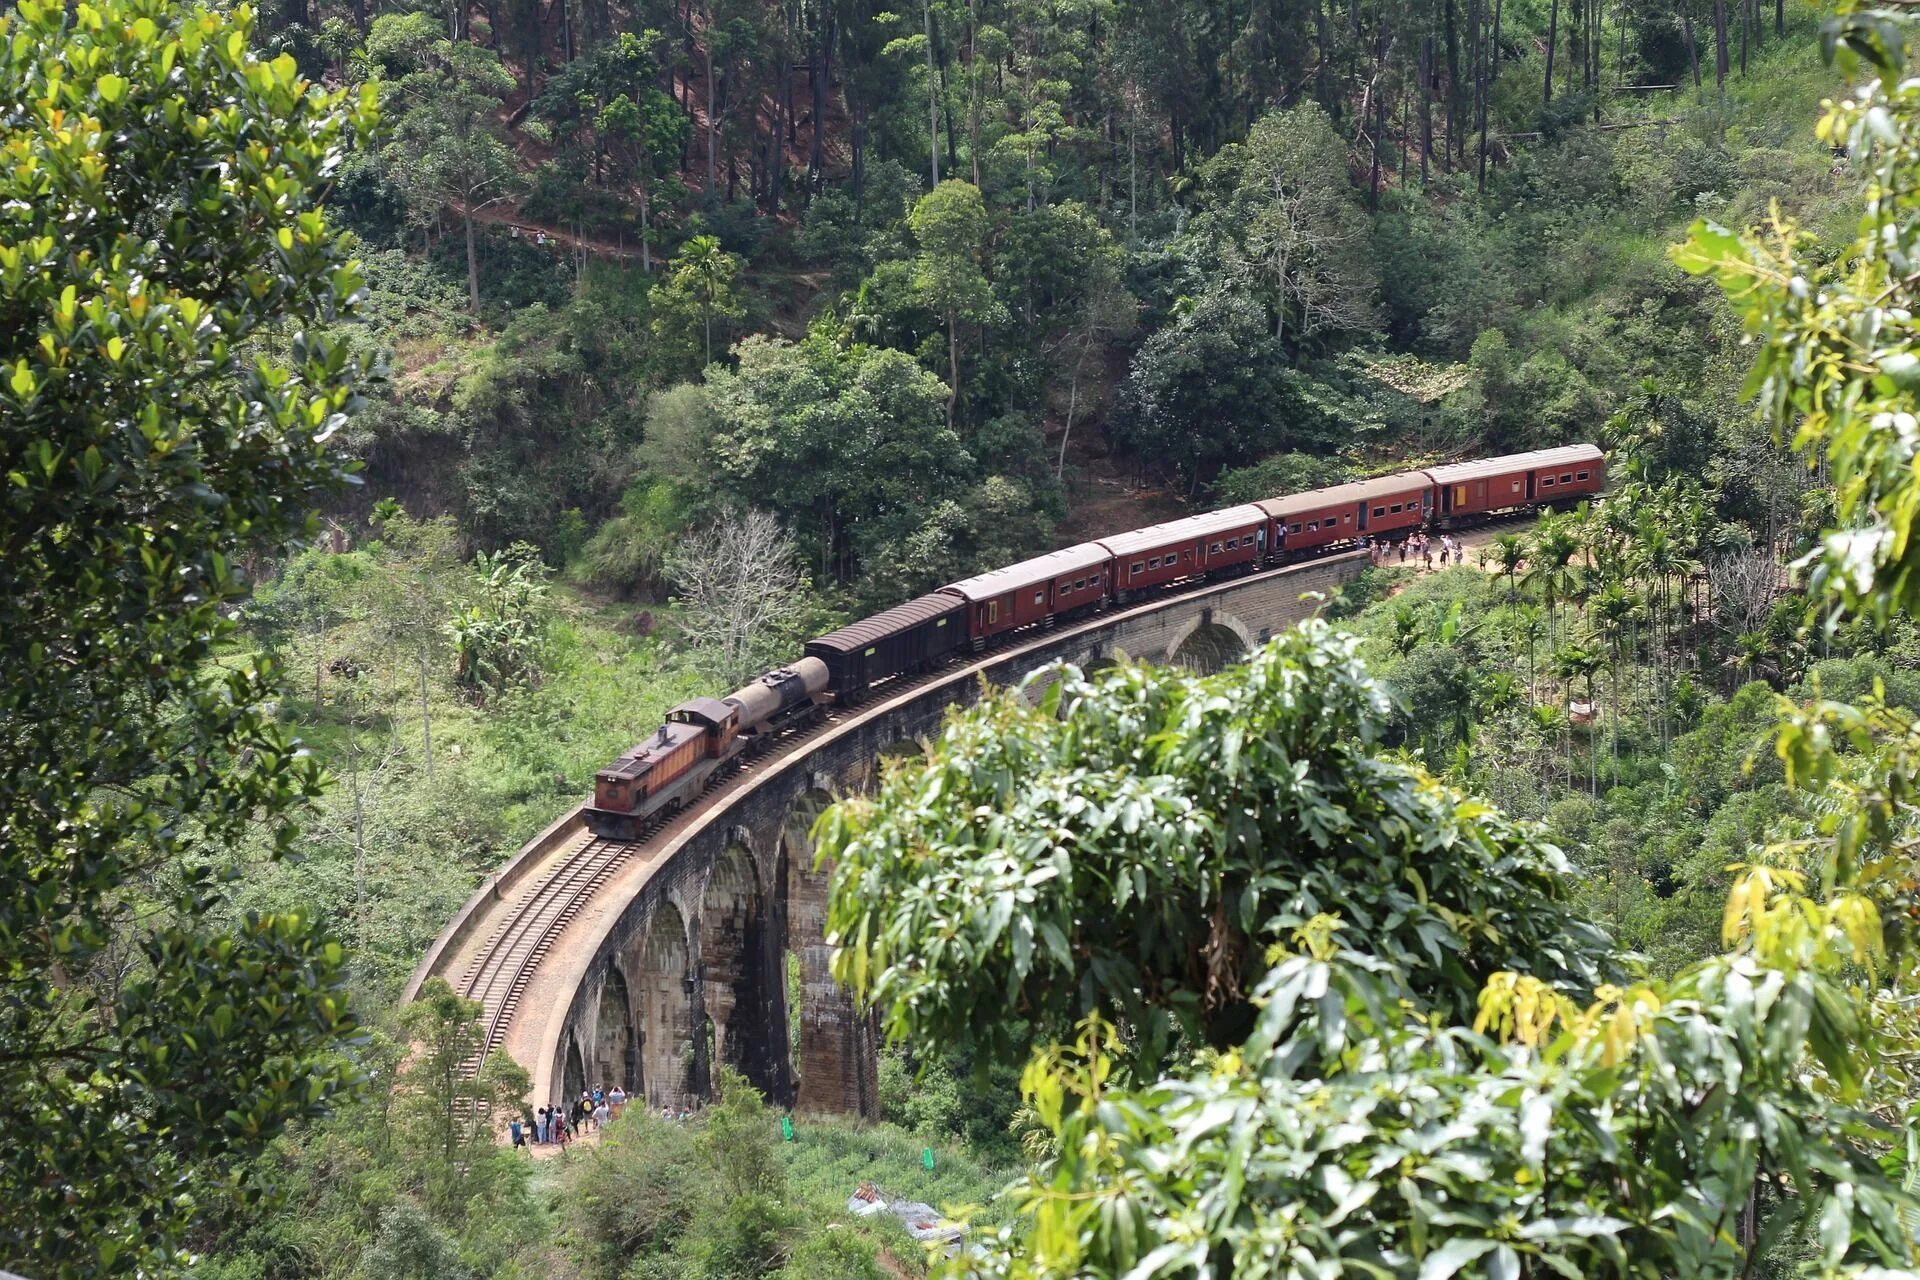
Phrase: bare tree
{"type": "Point", "coordinates": [739, 584]}
{"type": "Point", "coordinates": [1745, 581]}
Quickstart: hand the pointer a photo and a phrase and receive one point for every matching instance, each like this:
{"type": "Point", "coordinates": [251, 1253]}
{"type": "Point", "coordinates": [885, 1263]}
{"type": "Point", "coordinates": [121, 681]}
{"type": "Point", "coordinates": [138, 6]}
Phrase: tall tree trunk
{"type": "Point", "coordinates": [1493, 57]}
{"type": "Point", "coordinates": [1693, 51]}
{"type": "Point", "coordinates": [1553, 41]}
{"type": "Point", "coordinates": [1426, 105]}
{"type": "Point", "coordinates": [713, 128]}
{"type": "Point", "coordinates": [1720, 47]}
{"type": "Point", "coordinates": [473, 261]}
{"type": "Point", "coordinates": [973, 88]}
{"type": "Point", "coordinates": [1323, 59]}
{"type": "Point", "coordinates": [1453, 85]}
{"type": "Point", "coordinates": [933, 109]}
{"type": "Point", "coordinates": [953, 367]}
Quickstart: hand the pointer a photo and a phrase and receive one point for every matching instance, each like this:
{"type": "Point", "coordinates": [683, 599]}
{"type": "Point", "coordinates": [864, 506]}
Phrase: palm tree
{"type": "Point", "coordinates": [1554, 547]}
{"type": "Point", "coordinates": [1510, 552]}
{"type": "Point", "coordinates": [1613, 612]}
{"type": "Point", "coordinates": [1528, 626]}
{"type": "Point", "coordinates": [1576, 662]}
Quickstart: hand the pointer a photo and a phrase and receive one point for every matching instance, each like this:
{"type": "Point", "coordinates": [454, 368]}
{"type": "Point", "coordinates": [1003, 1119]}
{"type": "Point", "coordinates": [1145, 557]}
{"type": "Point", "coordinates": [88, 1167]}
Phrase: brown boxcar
{"type": "Point", "coordinates": [907, 637]}
{"type": "Point", "coordinates": [1379, 507]}
{"type": "Point", "coordinates": [1062, 582]}
{"type": "Point", "coordinates": [1209, 543]}
{"type": "Point", "coordinates": [1518, 480]}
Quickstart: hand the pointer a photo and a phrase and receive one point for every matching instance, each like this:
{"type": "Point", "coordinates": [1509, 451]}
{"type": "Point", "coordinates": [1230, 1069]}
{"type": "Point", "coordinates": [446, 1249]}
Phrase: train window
{"type": "Point", "coordinates": [1039, 597]}
{"type": "Point", "coordinates": [1566, 478]}
{"type": "Point", "coordinates": [1187, 554]}
{"type": "Point", "coordinates": [1378, 512]}
{"type": "Point", "coordinates": [1546, 482]}
{"type": "Point", "coordinates": [1079, 584]}
{"type": "Point", "coordinates": [993, 611]}
{"type": "Point", "coordinates": [1095, 579]}
{"type": "Point", "coordinates": [1293, 528]}
{"type": "Point", "coordinates": [941, 623]}
{"type": "Point", "coordinates": [1215, 548]}
{"type": "Point", "coordinates": [1154, 563]}
{"type": "Point", "coordinates": [1581, 476]}
{"type": "Point", "coordinates": [1138, 565]}
{"type": "Point", "coordinates": [1346, 519]}
{"type": "Point", "coordinates": [1395, 508]}
{"type": "Point", "coordinates": [869, 653]}
{"type": "Point", "coordinates": [1516, 486]}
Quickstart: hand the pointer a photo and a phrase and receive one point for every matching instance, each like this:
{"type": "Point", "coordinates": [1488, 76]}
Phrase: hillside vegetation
{"type": "Point", "coordinates": [669, 335]}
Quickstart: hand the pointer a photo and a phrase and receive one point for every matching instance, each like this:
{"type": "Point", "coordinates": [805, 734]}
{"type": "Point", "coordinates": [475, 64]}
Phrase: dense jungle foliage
{"type": "Point", "coordinates": [667, 335]}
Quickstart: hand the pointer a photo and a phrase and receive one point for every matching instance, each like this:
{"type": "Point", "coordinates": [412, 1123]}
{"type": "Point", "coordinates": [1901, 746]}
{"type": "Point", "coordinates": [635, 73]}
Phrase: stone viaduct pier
{"type": "Point", "coordinates": [651, 964]}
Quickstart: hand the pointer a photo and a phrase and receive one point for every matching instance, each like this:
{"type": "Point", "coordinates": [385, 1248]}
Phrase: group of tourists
{"type": "Point", "coordinates": [1421, 546]}
{"type": "Point", "coordinates": [558, 1126]}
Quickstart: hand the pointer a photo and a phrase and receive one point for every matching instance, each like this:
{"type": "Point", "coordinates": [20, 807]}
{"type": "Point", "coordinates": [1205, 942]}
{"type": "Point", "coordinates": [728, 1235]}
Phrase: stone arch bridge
{"type": "Point", "coordinates": [651, 964]}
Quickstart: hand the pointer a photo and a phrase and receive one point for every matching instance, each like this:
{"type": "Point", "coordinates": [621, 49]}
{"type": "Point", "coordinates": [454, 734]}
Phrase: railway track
{"type": "Point", "coordinates": [500, 968]}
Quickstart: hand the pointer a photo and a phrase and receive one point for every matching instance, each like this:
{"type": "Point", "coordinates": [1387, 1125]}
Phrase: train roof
{"type": "Point", "coordinates": [1204, 525]}
{"type": "Point", "coordinates": [858, 635]}
{"type": "Point", "coordinates": [1355, 491]}
{"type": "Point", "coordinates": [986, 586]}
{"type": "Point", "coordinates": [1566, 455]}
{"type": "Point", "coordinates": [638, 759]}
{"type": "Point", "coordinates": [703, 710]}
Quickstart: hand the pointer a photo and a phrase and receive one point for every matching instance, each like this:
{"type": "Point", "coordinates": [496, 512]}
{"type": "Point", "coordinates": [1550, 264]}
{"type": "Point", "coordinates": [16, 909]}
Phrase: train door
{"type": "Point", "coordinates": [1363, 517]}
{"type": "Point", "coordinates": [1529, 486]}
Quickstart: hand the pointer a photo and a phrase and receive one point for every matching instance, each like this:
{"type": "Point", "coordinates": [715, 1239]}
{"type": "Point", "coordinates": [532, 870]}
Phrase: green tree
{"type": "Point", "coordinates": [447, 150]}
{"type": "Point", "coordinates": [165, 230]}
{"type": "Point", "coordinates": [950, 230]}
{"type": "Point", "coordinates": [846, 444]}
{"type": "Point", "coordinates": [698, 285]}
{"type": "Point", "coordinates": [1207, 391]}
{"type": "Point", "coordinates": [445, 1110]}
{"type": "Point", "coordinates": [1300, 238]}
{"type": "Point", "coordinates": [613, 94]}
{"type": "Point", "coordinates": [1402, 1085]}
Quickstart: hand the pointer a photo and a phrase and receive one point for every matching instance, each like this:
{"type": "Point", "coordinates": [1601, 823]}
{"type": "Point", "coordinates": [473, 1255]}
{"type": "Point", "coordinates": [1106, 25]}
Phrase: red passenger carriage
{"type": "Point", "coordinates": [1518, 480]}
{"type": "Point", "coordinates": [1070, 581]}
{"type": "Point", "coordinates": [1205, 544]}
{"type": "Point", "coordinates": [1383, 506]}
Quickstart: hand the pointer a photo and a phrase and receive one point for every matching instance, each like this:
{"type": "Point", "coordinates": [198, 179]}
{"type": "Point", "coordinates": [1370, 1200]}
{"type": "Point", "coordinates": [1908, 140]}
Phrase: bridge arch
{"type": "Point", "coordinates": [740, 988]}
{"type": "Point", "coordinates": [1209, 642]}
{"type": "Point", "coordinates": [664, 988]}
{"type": "Point", "coordinates": [615, 1056]}
{"type": "Point", "coordinates": [573, 1077]}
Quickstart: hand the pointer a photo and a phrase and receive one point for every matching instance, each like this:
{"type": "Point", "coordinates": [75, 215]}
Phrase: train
{"type": "Point", "coordinates": [702, 735]}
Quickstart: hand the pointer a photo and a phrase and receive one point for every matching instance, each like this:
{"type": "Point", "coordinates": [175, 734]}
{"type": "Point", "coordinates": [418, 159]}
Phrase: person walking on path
{"type": "Point", "coordinates": [1426, 552]}
{"type": "Point", "coordinates": [540, 1126]}
{"type": "Point", "coordinates": [617, 1100]}
{"type": "Point", "coordinates": [560, 1134]}
{"type": "Point", "coordinates": [1403, 549]}
{"type": "Point", "coordinates": [601, 1114]}
{"type": "Point", "coordinates": [518, 1135]}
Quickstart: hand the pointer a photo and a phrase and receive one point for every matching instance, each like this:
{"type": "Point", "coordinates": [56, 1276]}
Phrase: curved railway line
{"type": "Point", "coordinates": [500, 964]}
{"type": "Point", "coordinates": [499, 968]}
